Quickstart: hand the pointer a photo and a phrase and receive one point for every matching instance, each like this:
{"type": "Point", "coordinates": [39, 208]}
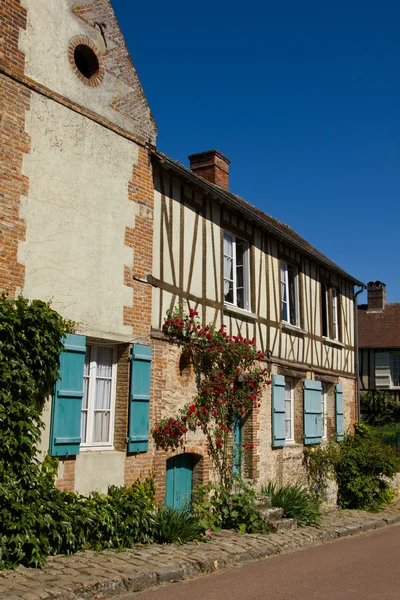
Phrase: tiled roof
{"type": "Point", "coordinates": [379, 329]}
{"type": "Point", "coordinates": [280, 229]}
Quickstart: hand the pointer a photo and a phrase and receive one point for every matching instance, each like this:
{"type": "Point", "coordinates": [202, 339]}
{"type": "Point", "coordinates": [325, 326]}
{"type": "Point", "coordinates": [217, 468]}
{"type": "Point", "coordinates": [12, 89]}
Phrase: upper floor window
{"type": "Point", "coordinates": [98, 396]}
{"type": "Point", "coordinates": [335, 313]}
{"type": "Point", "coordinates": [330, 311]}
{"type": "Point", "coordinates": [236, 272]}
{"type": "Point", "coordinates": [290, 294]}
{"type": "Point", "coordinates": [395, 370]}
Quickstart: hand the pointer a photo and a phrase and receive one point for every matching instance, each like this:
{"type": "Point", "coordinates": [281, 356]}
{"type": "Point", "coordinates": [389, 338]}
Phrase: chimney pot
{"type": "Point", "coordinates": [376, 296]}
{"type": "Point", "coordinates": [212, 166]}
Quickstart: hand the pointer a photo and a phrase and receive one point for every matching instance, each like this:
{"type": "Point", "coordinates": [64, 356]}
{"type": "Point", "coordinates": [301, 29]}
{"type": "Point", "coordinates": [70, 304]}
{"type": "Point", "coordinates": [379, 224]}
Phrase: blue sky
{"type": "Point", "coordinates": [303, 96]}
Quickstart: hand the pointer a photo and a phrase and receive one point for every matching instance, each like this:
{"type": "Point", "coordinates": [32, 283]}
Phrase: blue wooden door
{"type": "Point", "coordinates": [179, 480]}
{"type": "Point", "coordinates": [237, 446]}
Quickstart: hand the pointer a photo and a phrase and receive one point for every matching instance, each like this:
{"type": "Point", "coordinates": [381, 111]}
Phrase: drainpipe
{"type": "Point", "coordinates": [356, 350]}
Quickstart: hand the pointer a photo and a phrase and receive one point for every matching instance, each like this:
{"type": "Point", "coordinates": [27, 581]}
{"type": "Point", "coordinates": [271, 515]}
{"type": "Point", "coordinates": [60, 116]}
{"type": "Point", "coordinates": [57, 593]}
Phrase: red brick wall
{"type": "Point", "coordinates": [14, 143]}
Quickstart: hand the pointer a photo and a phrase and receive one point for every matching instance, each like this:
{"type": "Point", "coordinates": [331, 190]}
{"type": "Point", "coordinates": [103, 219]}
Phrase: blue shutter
{"type": "Point", "coordinates": [339, 412]}
{"type": "Point", "coordinates": [312, 412]}
{"type": "Point", "coordinates": [278, 411]}
{"type": "Point", "coordinates": [237, 446]}
{"type": "Point", "coordinates": [65, 428]}
{"type": "Point", "coordinates": [139, 411]}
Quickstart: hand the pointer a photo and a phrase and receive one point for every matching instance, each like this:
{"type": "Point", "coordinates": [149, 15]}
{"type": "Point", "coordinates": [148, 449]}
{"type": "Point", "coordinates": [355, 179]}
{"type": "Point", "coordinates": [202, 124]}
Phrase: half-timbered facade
{"type": "Point", "coordinates": [240, 267]}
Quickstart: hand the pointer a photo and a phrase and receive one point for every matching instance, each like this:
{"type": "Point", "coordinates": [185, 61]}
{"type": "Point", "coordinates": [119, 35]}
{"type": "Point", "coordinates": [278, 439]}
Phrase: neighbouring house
{"type": "Point", "coordinates": [379, 342]}
{"type": "Point", "coordinates": [115, 233]}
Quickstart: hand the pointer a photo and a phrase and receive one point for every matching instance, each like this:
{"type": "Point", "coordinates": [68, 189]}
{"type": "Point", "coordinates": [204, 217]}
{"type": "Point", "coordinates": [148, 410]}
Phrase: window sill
{"type": "Point", "coordinates": [294, 328]}
{"type": "Point", "coordinates": [292, 444]}
{"type": "Point", "coordinates": [96, 448]}
{"type": "Point", "coordinates": [327, 340]}
{"type": "Point", "coordinates": [231, 308]}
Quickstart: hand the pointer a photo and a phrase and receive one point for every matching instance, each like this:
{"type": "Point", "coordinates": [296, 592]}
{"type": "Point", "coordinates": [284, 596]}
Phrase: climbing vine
{"type": "Point", "coordinates": [229, 379]}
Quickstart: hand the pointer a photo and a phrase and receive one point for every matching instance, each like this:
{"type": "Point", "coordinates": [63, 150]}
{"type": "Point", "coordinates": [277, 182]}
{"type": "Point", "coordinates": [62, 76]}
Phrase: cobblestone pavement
{"type": "Point", "coordinates": [97, 575]}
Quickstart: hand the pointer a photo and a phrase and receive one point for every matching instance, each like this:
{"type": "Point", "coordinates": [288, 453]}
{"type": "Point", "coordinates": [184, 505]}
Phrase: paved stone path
{"type": "Point", "coordinates": [97, 575]}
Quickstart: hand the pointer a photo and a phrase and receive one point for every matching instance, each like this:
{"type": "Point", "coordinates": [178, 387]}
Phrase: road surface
{"type": "Point", "coordinates": [366, 567]}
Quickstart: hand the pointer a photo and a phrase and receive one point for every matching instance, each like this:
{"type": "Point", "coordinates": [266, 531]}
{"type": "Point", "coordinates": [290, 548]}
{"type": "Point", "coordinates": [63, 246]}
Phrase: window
{"type": "Point", "coordinates": [236, 272]}
{"type": "Point", "coordinates": [290, 294]}
{"type": "Point", "coordinates": [324, 304]}
{"type": "Point", "coordinates": [396, 370]}
{"type": "Point", "coordinates": [330, 311]}
{"type": "Point", "coordinates": [289, 411]}
{"type": "Point", "coordinates": [98, 396]}
{"type": "Point", "coordinates": [324, 414]}
{"type": "Point", "coordinates": [335, 313]}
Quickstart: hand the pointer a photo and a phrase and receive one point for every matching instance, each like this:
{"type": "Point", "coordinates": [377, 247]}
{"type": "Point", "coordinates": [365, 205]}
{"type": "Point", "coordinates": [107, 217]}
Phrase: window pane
{"type": "Point", "coordinates": [101, 426]}
{"type": "Point", "coordinates": [229, 291]}
{"type": "Point", "coordinates": [292, 282]}
{"type": "Point", "coordinates": [288, 409]}
{"type": "Point", "coordinates": [85, 398]}
{"type": "Point", "coordinates": [103, 393]}
{"type": "Point", "coordinates": [228, 245]}
{"type": "Point", "coordinates": [396, 369]}
{"type": "Point", "coordinates": [324, 305]}
{"type": "Point", "coordinates": [228, 268]}
{"type": "Point", "coordinates": [104, 361]}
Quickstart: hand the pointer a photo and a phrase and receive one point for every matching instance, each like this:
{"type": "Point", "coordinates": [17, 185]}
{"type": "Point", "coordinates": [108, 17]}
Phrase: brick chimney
{"type": "Point", "coordinates": [376, 296]}
{"type": "Point", "coordinates": [212, 166]}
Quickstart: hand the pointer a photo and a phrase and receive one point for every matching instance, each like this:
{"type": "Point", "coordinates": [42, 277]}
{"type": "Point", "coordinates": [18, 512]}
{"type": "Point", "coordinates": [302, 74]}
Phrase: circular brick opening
{"type": "Point", "coordinates": [86, 61]}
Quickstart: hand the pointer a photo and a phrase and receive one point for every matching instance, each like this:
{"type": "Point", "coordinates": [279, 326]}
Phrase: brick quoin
{"type": "Point", "coordinates": [14, 143]}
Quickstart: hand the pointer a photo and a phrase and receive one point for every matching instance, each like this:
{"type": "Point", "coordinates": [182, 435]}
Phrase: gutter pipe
{"type": "Point", "coordinates": [356, 361]}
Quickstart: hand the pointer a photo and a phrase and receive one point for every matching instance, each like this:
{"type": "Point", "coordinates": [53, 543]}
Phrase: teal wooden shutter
{"type": "Point", "coordinates": [237, 446]}
{"type": "Point", "coordinates": [278, 411]}
{"type": "Point", "coordinates": [339, 412]}
{"type": "Point", "coordinates": [312, 412]}
{"type": "Point", "coordinates": [65, 427]}
{"type": "Point", "coordinates": [139, 411]}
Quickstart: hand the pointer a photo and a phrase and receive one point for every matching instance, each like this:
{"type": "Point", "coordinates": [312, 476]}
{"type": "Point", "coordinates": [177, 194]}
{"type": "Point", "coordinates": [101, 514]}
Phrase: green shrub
{"type": "Point", "coordinates": [219, 508]}
{"type": "Point", "coordinates": [320, 462]}
{"type": "Point", "coordinates": [379, 408]}
{"type": "Point", "coordinates": [362, 466]}
{"type": "Point", "coordinates": [177, 526]}
{"type": "Point", "coordinates": [297, 502]}
{"type": "Point", "coordinates": [121, 518]}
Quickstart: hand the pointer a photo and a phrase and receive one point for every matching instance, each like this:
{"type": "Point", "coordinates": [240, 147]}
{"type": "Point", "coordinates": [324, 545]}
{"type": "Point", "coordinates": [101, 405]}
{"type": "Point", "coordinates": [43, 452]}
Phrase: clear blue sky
{"type": "Point", "coordinates": [303, 96]}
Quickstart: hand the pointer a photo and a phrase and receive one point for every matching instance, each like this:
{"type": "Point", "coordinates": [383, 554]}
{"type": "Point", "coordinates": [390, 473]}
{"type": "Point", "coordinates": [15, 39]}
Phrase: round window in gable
{"type": "Point", "coordinates": [86, 61]}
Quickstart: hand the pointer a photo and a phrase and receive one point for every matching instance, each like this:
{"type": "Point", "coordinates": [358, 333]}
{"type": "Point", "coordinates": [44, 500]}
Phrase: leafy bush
{"type": "Point", "coordinates": [379, 408]}
{"type": "Point", "coordinates": [296, 501]}
{"type": "Point", "coordinates": [320, 462]}
{"type": "Point", "coordinates": [220, 508]}
{"type": "Point", "coordinates": [177, 526]}
{"type": "Point", "coordinates": [362, 466]}
{"type": "Point", "coordinates": [121, 518]}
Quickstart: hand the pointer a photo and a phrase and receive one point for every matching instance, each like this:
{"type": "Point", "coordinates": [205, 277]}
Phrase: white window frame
{"type": "Point", "coordinates": [324, 410]}
{"type": "Point", "coordinates": [335, 312]}
{"type": "Point", "coordinates": [289, 416]}
{"type": "Point", "coordinates": [285, 286]}
{"type": "Point", "coordinates": [89, 444]}
{"type": "Point", "coordinates": [246, 272]}
{"type": "Point", "coordinates": [394, 355]}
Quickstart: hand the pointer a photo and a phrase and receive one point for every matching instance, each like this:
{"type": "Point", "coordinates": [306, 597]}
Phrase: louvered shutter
{"type": "Point", "coordinates": [382, 370]}
{"type": "Point", "coordinates": [139, 410]}
{"type": "Point", "coordinates": [312, 412]}
{"type": "Point", "coordinates": [278, 411]}
{"type": "Point", "coordinates": [65, 428]}
{"type": "Point", "coordinates": [339, 412]}
{"type": "Point", "coordinates": [237, 446]}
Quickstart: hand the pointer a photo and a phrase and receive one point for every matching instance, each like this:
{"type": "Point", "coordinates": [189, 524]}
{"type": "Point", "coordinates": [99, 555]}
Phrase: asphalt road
{"type": "Point", "coordinates": [366, 567]}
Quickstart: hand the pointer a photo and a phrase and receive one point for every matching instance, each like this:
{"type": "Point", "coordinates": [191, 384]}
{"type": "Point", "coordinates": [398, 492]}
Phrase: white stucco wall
{"type": "Point", "coordinates": [76, 214]}
{"type": "Point", "coordinates": [95, 471]}
{"type": "Point", "coordinates": [50, 27]}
